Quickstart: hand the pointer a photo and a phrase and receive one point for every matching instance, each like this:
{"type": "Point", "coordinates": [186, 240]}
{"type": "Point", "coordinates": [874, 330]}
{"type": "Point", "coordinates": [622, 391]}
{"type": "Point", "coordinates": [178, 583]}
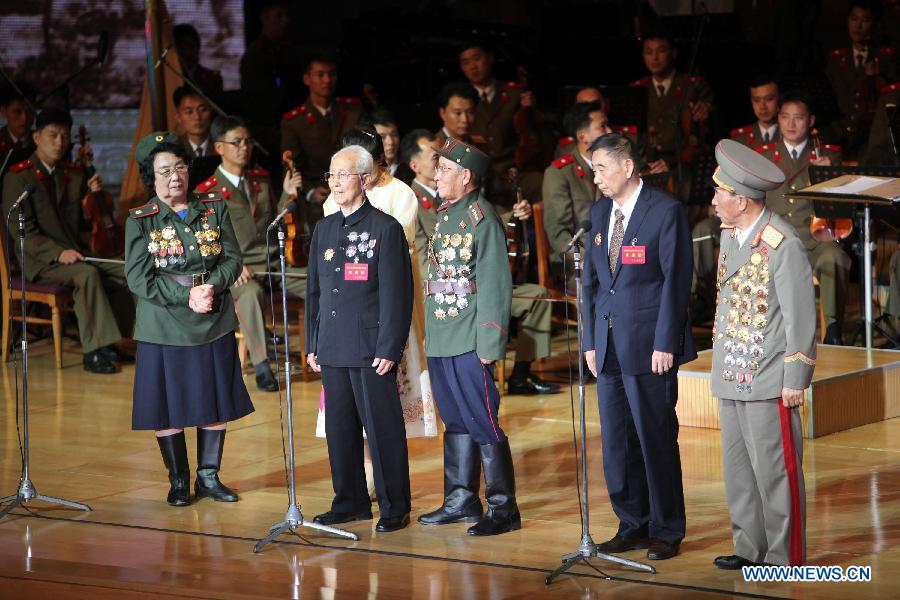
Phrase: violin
{"type": "Point", "coordinates": [821, 228]}
{"type": "Point", "coordinates": [533, 151]}
{"type": "Point", "coordinates": [693, 135]}
{"type": "Point", "coordinates": [297, 238]}
{"type": "Point", "coordinates": [517, 246]}
{"type": "Point", "coordinates": [107, 239]}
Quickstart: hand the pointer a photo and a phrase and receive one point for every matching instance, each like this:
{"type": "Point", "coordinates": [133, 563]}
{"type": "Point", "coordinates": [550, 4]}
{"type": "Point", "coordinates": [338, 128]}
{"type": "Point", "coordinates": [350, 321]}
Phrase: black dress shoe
{"type": "Point", "coordinates": [96, 362]}
{"type": "Point", "coordinates": [733, 562]}
{"type": "Point", "coordinates": [833, 335]}
{"type": "Point", "coordinates": [531, 385]}
{"type": "Point", "coordinates": [265, 378]}
{"type": "Point", "coordinates": [619, 544]}
{"type": "Point", "coordinates": [334, 518]}
{"type": "Point", "coordinates": [386, 524]}
{"type": "Point", "coordinates": [114, 354]}
{"type": "Point", "coordinates": [661, 550]}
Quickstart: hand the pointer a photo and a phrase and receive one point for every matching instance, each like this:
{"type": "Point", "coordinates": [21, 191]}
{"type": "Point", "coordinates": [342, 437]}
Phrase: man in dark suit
{"type": "Point", "coordinates": [637, 283]}
{"type": "Point", "coordinates": [358, 313]}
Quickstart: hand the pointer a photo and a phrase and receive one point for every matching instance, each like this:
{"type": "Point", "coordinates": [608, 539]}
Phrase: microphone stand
{"type": "Point", "coordinates": [26, 491]}
{"type": "Point", "coordinates": [587, 549]}
{"type": "Point", "coordinates": [293, 518]}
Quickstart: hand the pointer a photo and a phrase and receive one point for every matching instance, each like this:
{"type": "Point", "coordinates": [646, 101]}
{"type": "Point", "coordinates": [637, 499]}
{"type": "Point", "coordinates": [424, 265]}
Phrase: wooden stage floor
{"type": "Point", "coordinates": [135, 546]}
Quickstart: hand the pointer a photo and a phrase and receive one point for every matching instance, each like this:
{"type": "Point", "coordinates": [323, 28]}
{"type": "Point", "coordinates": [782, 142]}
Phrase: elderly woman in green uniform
{"type": "Point", "coordinates": [181, 259]}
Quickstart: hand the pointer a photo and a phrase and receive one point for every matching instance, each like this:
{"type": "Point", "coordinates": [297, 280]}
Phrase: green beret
{"type": "Point", "coordinates": [744, 171]}
{"type": "Point", "coordinates": [466, 156]}
{"type": "Point", "coordinates": [149, 142]}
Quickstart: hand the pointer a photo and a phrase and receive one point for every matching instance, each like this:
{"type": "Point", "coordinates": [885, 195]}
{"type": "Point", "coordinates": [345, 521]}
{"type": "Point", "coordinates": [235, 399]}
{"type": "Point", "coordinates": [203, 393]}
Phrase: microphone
{"type": "Point", "coordinates": [583, 228]}
{"type": "Point", "coordinates": [289, 207]}
{"type": "Point", "coordinates": [29, 190]}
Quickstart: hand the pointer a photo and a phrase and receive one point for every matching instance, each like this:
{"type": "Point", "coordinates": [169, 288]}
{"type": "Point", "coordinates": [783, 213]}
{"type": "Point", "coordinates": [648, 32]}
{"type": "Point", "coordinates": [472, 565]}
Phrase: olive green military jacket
{"type": "Point", "coordinates": [51, 224]}
{"type": "Point", "coordinates": [569, 194]}
{"type": "Point", "coordinates": [752, 136]}
{"type": "Point", "coordinates": [251, 211]}
{"type": "Point", "coordinates": [426, 219]}
{"type": "Point", "coordinates": [764, 336]}
{"type": "Point", "coordinates": [159, 243]}
{"type": "Point", "coordinates": [493, 130]}
{"type": "Point", "coordinates": [314, 138]}
{"type": "Point", "coordinates": [799, 213]}
{"type": "Point", "coordinates": [659, 134]}
{"type": "Point", "coordinates": [468, 245]}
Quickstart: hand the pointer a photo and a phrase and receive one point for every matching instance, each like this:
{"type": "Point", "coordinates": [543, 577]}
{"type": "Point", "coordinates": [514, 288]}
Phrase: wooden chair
{"type": "Point", "coordinates": [56, 297]}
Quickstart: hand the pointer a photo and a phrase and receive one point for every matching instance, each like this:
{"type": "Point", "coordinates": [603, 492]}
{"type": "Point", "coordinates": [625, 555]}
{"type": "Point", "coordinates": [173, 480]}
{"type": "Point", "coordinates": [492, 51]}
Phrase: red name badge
{"type": "Point", "coordinates": [634, 255]}
{"type": "Point", "coordinates": [356, 272]}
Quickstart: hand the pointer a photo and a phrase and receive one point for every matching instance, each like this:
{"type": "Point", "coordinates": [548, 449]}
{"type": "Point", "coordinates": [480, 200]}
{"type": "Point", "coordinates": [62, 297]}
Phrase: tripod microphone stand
{"type": "Point", "coordinates": [26, 491]}
{"type": "Point", "coordinates": [587, 549]}
{"type": "Point", "coordinates": [294, 517]}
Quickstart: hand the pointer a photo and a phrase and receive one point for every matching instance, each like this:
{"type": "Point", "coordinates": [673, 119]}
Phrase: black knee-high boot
{"type": "Point", "coordinates": [174, 453]}
{"type": "Point", "coordinates": [209, 457]}
{"type": "Point", "coordinates": [500, 491]}
{"type": "Point", "coordinates": [462, 478]}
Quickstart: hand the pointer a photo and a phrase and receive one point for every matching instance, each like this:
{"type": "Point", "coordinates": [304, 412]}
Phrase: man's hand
{"type": "Point", "coordinates": [383, 365]}
{"type": "Point", "coordinates": [661, 362]}
{"type": "Point", "coordinates": [200, 299]}
{"type": "Point", "coordinates": [590, 357]}
{"type": "Point", "coordinates": [658, 166]}
{"type": "Point", "coordinates": [245, 276]}
{"type": "Point", "coordinates": [527, 100]}
{"type": "Point", "coordinates": [791, 397]}
{"type": "Point", "coordinates": [70, 256]}
{"type": "Point", "coordinates": [822, 161]}
{"type": "Point", "coordinates": [487, 361]}
{"type": "Point", "coordinates": [699, 110]}
{"type": "Point", "coordinates": [311, 361]}
{"type": "Point", "coordinates": [95, 184]}
{"type": "Point", "coordinates": [522, 210]}
{"type": "Point", "coordinates": [292, 184]}
{"type": "Point", "coordinates": [319, 195]}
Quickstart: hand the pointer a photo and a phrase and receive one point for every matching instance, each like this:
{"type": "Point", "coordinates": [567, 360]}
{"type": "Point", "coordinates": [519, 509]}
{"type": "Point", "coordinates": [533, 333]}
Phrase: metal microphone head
{"type": "Point", "coordinates": [586, 225]}
{"type": "Point", "coordinates": [29, 187]}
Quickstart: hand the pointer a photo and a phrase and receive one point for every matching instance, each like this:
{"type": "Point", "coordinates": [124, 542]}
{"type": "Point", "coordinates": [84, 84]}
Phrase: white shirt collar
{"type": "Point", "coordinates": [490, 90]}
{"type": "Point", "coordinates": [48, 168]}
{"type": "Point", "coordinates": [201, 148]}
{"type": "Point", "coordinates": [771, 130]}
{"type": "Point", "coordinates": [799, 147]}
{"type": "Point", "coordinates": [666, 83]}
{"type": "Point", "coordinates": [431, 192]}
{"type": "Point", "coordinates": [235, 180]}
{"type": "Point", "coordinates": [393, 168]}
{"type": "Point", "coordinates": [586, 160]}
{"type": "Point", "coordinates": [626, 209]}
{"type": "Point", "coordinates": [742, 235]}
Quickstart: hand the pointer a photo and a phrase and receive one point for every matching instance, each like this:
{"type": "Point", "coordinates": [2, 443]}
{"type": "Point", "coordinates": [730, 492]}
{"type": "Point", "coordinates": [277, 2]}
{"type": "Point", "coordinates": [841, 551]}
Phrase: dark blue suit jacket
{"type": "Point", "coordinates": [648, 302]}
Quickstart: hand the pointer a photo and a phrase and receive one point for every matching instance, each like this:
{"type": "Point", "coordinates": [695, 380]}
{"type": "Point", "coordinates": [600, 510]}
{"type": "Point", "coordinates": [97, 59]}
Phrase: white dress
{"type": "Point", "coordinates": [395, 198]}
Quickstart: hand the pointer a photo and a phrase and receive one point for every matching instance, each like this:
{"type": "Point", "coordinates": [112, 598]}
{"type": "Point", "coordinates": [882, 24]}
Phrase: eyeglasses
{"type": "Point", "coordinates": [240, 142]}
{"type": "Point", "coordinates": [180, 168]}
{"type": "Point", "coordinates": [445, 169]}
{"type": "Point", "coordinates": [341, 176]}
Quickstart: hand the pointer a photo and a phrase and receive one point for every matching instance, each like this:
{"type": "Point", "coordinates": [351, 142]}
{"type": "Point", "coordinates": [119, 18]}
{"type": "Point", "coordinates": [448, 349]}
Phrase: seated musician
{"type": "Point", "coordinates": [793, 153]}
{"type": "Point", "coordinates": [248, 194]}
{"type": "Point", "coordinates": [54, 249]}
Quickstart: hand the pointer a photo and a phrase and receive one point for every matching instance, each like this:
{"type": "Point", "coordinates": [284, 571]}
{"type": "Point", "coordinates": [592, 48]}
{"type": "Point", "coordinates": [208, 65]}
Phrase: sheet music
{"type": "Point", "coordinates": [857, 186]}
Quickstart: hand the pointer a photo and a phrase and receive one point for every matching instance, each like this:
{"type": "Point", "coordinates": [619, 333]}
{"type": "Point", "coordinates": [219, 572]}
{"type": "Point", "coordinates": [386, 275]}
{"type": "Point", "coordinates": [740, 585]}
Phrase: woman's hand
{"type": "Point", "coordinates": [201, 298]}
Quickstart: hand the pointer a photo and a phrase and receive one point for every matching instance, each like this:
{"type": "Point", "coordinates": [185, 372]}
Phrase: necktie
{"type": "Point", "coordinates": [484, 96]}
{"type": "Point", "coordinates": [765, 137]}
{"type": "Point", "coordinates": [615, 244]}
{"type": "Point", "coordinates": [859, 60]}
{"type": "Point", "coordinates": [50, 185]}
{"type": "Point", "coordinates": [661, 90]}
{"type": "Point", "coordinates": [794, 153]}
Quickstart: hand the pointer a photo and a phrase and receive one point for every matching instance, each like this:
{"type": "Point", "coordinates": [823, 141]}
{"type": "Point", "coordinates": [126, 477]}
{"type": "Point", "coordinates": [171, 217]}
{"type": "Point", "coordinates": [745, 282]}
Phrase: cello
{"type": "Point", "coordinates": [107, 239]}
{"type": "Point", "coordinates": [297, 235]}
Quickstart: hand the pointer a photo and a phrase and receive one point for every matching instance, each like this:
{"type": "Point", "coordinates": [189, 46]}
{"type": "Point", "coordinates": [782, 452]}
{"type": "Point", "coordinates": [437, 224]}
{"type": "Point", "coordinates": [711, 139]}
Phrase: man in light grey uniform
{"type": "Point", "coordinates": [764, 353]}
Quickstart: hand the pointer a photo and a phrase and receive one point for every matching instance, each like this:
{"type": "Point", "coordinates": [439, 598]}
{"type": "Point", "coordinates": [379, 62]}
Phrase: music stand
{"type": "Point", "coordinates": [701, 175]}
{"type": "Point", "coordinates": [879, 197]}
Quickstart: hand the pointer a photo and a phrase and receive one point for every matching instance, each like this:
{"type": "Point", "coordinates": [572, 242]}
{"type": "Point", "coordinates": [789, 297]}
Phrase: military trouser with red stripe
{"type": "Point", "coordinates": [762, 448]}
{"type": "Point", "coordinates": [466, 396]}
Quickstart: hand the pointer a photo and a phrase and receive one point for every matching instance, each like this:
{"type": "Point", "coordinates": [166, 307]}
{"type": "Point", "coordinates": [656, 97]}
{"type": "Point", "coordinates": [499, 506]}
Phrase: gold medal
{"type": "Point", "coordinates": [329, 254]}
{"type": "Point", "coordinates": [598, 239]}
{"type": "Point", "coordinates": [756, 258]}
{"type": "Point", "coordinates": [455, 240]}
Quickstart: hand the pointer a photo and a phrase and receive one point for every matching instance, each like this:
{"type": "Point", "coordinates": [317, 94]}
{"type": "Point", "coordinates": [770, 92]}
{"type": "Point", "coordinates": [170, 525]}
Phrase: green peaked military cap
{"type": "Point", "coordinates": [466, 156]}
{"type": "Point", "coordinates": [744, 171]}
{"type": "Point", "coordinates": [149, 142]}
